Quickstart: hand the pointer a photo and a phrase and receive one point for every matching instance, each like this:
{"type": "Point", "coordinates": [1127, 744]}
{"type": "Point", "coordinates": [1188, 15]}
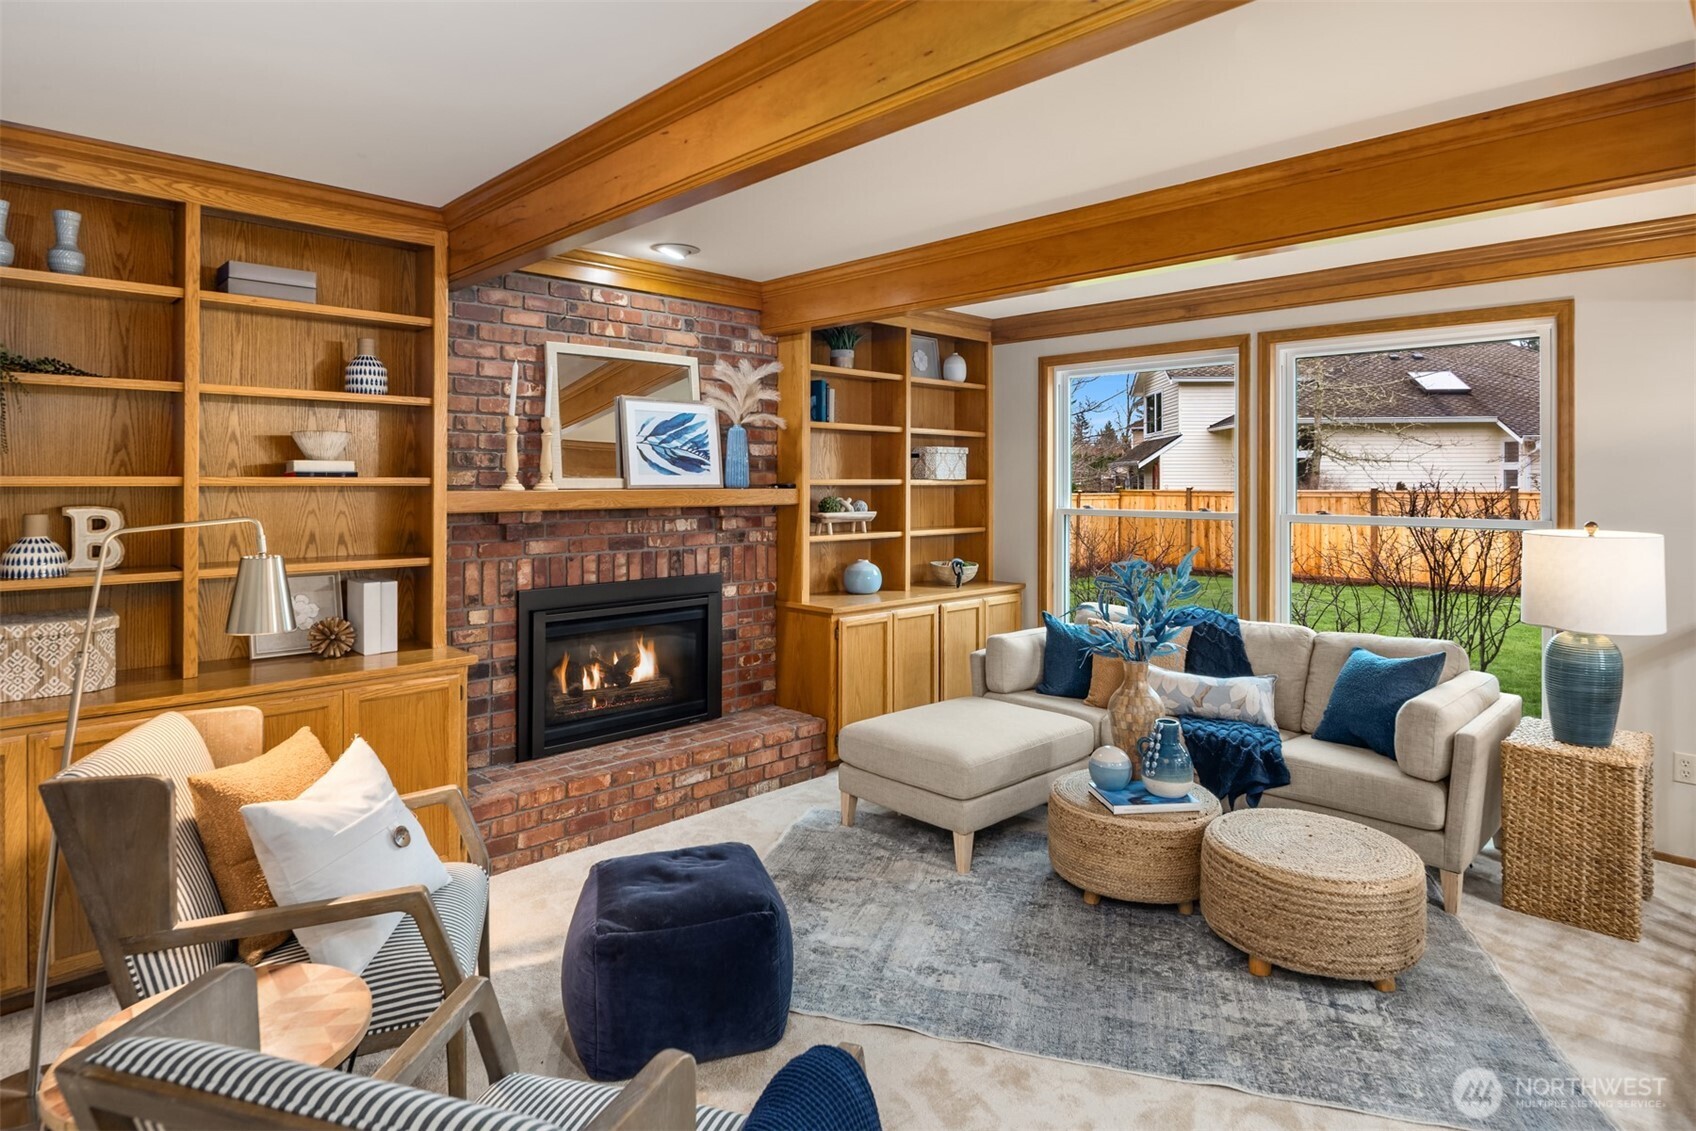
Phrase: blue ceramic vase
{"type": "Point", "coordinates": [1583, 677]}
{"type": "Point", "coordinates": [1166, 767]}
{"type": "Point", "coordinates": [736, 456]}
{"type": "Point", "coordinates": [862, 577]}
{"type": "Point", "coordinates": [1110, 768]}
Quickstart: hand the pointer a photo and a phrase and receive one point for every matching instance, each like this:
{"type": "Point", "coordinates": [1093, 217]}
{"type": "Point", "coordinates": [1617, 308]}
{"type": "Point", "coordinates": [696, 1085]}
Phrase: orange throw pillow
{"type": "Point", "coordinates": [282, 773]}
{"type": "Point", "coordinates": [1107, 673]}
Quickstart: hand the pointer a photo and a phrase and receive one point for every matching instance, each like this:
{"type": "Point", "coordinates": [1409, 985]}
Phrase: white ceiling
{"type": "Point", "coordinates": [1268, 80]}
{"type": "Point", "coordinates": [419, 101]}
{"type": "Point", "coordinates": [1393, 243]}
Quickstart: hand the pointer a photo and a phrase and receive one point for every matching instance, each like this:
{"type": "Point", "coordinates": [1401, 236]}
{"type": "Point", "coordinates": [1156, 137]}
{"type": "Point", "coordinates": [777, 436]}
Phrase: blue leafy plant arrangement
{"type": "Point", "coordinates": [676, 444]}
{"type": "Point", "coordinates": [1133, 593]}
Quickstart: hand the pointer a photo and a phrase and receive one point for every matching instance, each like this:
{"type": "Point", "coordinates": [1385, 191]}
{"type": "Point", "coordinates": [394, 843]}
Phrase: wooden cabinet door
{"type": "Point", "coordinates": [15, 796]}
{"type": "Point", "coordinates": [912, 670]}
{"type": "Point", "coordinates": [862, 667]}
{"type": "Point", "coordinates": [1001, 614]}
{"type": "Point", "coordinates": [320, 710]}
{"type": "Point", "coordinates": [961, 633]}
{"type": "Point", "coordinates": [417, 728]}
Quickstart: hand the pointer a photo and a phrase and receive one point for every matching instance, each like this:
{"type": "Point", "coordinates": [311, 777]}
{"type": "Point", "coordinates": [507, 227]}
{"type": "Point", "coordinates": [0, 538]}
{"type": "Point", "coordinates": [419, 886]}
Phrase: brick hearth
{"type": "Point", "coordinates": [533, 810]}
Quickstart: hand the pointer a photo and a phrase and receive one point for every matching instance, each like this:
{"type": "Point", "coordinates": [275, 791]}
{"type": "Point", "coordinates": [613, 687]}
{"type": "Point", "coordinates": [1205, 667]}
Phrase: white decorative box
{"type": "Point", "coordinates": [939, 463]}
{"type": "Point", "coordinates": [38, 654]}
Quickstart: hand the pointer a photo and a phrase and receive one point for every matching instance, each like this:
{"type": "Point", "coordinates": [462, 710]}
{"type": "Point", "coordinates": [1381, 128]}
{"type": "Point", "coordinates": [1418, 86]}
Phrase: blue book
{"type": "Point", "coordinates": [1135, 798]}
{"type": "Point", "coordinates": [821, 392]}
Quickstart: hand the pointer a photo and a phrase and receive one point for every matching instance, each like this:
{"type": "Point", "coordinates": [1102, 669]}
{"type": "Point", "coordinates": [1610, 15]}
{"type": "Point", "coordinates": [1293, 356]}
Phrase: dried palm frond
{"type": "Point", "coordinates": [743, 389]}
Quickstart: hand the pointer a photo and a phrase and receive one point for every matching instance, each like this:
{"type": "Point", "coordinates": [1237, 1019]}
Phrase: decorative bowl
{"type": "Point", "coordinates": [322, 445]}
{"type": "Point", "coordinates": [943, 571]}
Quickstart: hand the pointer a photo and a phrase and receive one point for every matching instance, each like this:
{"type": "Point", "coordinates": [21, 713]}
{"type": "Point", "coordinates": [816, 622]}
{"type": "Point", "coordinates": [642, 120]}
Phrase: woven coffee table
{"type": "Point", "coordinates": [1136, 858]}
{"type": "Point", "coordinates": [1314, 894]}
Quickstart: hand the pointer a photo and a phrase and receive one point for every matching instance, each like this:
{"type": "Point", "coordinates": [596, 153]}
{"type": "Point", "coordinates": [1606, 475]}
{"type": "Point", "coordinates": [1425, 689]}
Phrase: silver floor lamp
{"type": "Point", "coordinates": [261, 605]}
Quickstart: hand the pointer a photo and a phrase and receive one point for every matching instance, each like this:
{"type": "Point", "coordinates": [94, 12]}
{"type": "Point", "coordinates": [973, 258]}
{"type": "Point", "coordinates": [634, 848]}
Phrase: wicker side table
{"type": "Point", "coordinates": [1152, 859]}
{"type": "Point", "coordinates": [1579, 829]}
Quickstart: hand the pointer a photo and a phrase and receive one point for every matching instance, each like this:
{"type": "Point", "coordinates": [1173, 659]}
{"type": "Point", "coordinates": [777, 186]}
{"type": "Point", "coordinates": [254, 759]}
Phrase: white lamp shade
{"type": "Point", "coordinates": [1611, 582]}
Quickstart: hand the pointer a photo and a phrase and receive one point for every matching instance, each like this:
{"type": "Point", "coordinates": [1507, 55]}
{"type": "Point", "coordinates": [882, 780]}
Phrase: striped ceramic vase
{"type": "Point", "coordinates": [365, 374]}
{"type": "Point", "coordinates": [35, 556]}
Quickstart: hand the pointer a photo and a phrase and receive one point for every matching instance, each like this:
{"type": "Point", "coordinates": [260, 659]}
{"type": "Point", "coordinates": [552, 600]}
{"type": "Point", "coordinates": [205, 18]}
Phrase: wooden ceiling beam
{"type": "Point", "coordinates": [1634, 132]}
{"type": "Point", "coordinates": [1643, 241]}
{"type": "Point", "coordinates": [833, 76]}
{"type": "Point", "coordinates": [627, 274]}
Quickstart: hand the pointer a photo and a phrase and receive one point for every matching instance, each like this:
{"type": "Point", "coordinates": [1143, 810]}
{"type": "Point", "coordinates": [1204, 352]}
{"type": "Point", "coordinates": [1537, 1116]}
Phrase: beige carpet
{"type": "Point", "coordinates": [1616, 1009]}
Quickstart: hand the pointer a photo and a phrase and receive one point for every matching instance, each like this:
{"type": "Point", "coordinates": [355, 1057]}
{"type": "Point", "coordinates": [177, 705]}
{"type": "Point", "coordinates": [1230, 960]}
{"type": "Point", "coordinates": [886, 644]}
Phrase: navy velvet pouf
{"type": "Point", "coordinates": [688, 949]}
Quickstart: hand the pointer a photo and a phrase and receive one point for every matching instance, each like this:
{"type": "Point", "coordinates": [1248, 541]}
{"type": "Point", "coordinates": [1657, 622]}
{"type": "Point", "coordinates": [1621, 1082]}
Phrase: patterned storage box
{"type": "Point", "coordinates": [38, 654]}
{"type": "Point", "coordinates": [939, 463]}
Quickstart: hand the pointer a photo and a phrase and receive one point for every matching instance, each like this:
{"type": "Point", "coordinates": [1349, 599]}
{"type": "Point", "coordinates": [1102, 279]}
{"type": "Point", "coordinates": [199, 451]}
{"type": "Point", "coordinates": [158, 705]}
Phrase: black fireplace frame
{"type": "Point", "coordinates": [537, 608]}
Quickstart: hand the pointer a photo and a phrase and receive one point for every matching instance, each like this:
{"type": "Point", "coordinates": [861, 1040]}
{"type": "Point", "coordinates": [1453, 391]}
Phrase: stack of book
{"type": "Point", "coordinates": [1135, 798]}
{"type": "Point", "coordinates": [824, 402]}
{"type": "Point", "coordinates": [265, 281]}
{"type": "Point", "coordinates": [320, 468]}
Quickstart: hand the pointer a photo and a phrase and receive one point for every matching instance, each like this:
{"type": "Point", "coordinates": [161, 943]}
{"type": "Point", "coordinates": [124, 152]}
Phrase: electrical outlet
{"type": "Point", "coordinates": [1684, 768]}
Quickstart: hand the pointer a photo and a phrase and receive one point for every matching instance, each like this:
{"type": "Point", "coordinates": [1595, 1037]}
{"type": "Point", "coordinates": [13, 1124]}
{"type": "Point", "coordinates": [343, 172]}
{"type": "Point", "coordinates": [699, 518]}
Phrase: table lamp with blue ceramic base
{"type": "Point", "coordinates": [1590, 585]}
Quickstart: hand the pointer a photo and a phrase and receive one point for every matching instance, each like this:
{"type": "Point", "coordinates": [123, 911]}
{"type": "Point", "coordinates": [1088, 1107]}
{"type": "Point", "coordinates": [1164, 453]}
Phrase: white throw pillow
{"type": "Point", "coordinates": [1245, 698]}
{"type": "Point", "coordinates": [348, 834]}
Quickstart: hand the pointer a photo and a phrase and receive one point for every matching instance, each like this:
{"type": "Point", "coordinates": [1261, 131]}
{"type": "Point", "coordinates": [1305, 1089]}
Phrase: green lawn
{"type": "Point", "coordinates": [1518, 665]}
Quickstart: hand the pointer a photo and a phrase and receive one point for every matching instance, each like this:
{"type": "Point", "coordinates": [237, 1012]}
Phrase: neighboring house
{"type": "Point", "coordinates": [1463, 416]}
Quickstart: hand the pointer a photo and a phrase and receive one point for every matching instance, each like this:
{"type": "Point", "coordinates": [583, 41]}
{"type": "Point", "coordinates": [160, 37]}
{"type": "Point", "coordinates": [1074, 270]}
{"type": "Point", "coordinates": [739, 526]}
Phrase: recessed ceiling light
{"type": "Point", "coordinates": [675, 250]}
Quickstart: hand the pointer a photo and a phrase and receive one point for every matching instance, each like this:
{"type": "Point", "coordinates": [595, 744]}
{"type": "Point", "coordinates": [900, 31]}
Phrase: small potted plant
{"type": "Point", "coordinates": [739, 399]}
{"type": "Point", "coordinates": [842, 340]}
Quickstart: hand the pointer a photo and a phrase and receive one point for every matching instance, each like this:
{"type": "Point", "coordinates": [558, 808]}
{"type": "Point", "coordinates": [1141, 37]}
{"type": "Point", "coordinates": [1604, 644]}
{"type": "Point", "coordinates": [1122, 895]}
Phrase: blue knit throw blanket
{"type": "Point", "coordinates": [1232, 759]}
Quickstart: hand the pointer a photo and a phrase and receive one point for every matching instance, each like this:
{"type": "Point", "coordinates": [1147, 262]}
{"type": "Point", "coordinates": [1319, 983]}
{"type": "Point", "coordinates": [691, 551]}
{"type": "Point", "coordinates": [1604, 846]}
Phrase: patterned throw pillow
{"type": "Point", "coordinates": [1244, 698]}
{"type": "Point", "coordinates": [1107, 673]}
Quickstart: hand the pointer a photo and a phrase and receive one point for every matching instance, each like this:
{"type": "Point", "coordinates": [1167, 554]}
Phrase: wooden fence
{"type": "Point", "coordinates": [1319, 551]}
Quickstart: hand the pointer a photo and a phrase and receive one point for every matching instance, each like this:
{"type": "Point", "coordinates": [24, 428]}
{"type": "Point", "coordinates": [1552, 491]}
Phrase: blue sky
{"type": "Point", "coordinates": [1108, 387]}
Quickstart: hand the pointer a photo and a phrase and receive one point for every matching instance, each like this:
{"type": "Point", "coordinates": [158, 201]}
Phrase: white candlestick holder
{"type": "Point", "coordinates": [512, 483]}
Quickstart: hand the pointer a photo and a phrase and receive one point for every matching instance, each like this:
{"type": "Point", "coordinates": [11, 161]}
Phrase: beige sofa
{"type": "Point", "coordinates": [1441, 795]}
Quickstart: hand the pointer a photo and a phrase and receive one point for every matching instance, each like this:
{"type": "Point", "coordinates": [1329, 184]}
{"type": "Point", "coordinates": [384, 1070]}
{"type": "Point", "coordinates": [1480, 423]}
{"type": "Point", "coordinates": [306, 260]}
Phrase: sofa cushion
{"type": "Point", "coordinates": [1065, 658]}
{"type": "Point", "coordinates": [1331, 651]}
{"type": "Point", "coordinates": [1012, 661]}
{"type": "Point", "coordinates": [1245, 698]}
{"type": "Point", "coordinates": [965, 748]}
{"type": "Point", "coordinates": [1427, 724]}
{"type": "Point", "coordinates": [1107, 673]}
{"type": "Point", "coordinates": [1096, 717]}
{"type": "Point", "coordinates": [1351, 780]}
{"type": "Point", "coordinates": [1282, 650]}
{"type": "Point", "coordinates": [1369, 692]}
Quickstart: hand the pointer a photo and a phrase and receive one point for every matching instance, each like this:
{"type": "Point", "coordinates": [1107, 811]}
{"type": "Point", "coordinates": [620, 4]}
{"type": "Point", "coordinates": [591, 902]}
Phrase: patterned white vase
{"type": "Point", "coordinates": [65, 257]}
{"type": "Point", "coordinates": [365, 374]}
{"type": "Point", "coordinates": [35, 556]}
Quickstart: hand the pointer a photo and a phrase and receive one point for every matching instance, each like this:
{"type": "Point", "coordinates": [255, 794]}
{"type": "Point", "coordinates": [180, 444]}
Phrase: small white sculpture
{"type": "Point", "coordinates": [88, 526]}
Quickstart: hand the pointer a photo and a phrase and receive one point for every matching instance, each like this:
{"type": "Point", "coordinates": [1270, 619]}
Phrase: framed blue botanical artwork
{"type": "Point", "coordinates": [668, 443]}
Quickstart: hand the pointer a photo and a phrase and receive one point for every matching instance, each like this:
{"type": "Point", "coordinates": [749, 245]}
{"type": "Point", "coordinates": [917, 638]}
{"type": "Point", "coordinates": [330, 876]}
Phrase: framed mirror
{"type": "Point", "coordinates": [582, 391]}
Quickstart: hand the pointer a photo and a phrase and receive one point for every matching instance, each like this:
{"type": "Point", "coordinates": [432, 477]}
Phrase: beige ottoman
{"type": "Point", "coordinates": [1314, 894]}
{"type": "Point", "coordinates": [961, 765]}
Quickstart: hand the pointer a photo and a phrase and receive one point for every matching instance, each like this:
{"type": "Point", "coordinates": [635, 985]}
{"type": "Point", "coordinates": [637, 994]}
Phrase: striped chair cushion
{"type": "Point", "coordinates": [168, 746]}
{"type": "Point", "coordinates": [569, 1104]}
{"type": "Point", "coordinates": [404, 985]}
{"type": "Point", "coordinates": [304, 1089]}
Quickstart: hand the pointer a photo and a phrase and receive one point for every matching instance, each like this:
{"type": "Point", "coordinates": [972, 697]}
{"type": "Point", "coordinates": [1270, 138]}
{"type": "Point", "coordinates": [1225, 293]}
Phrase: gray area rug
{"type": "Point", "coordinates": [1010, 956]}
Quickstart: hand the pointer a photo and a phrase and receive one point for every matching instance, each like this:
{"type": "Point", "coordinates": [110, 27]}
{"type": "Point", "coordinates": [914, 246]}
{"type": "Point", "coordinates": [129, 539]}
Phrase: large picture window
{"type": "Point", "coordinates": [1144, 454]}
{"type": "Point", "coordinates": [1408, 462]}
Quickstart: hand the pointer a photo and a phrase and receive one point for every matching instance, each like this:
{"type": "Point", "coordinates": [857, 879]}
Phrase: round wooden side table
{"type": "Point", "coordinates": [307, 1012]}
{"type": "Point", "coordinates": [1139, 859]}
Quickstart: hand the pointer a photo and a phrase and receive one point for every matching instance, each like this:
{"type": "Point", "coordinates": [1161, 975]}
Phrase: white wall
{"type": "Point", "coordinates": [1635, 432]}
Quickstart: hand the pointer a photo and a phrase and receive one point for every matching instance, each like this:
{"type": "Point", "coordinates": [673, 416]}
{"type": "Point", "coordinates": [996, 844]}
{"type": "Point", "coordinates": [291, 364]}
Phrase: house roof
{"type": "Point", "coordinates": [1502, 383]}
{"type": "Point", "coordinates": [1142, 454]}
{"type": "Point", "coordinates": [1203, 373]}
{"type": "Point", "coordinates": [1223, 424]}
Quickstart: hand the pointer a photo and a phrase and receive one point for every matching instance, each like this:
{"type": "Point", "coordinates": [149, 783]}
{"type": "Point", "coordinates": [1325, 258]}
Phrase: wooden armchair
{"type": "Point", "coordinates": [188, 1062]}
{"type": "Point", "coordinates": [156, 915]}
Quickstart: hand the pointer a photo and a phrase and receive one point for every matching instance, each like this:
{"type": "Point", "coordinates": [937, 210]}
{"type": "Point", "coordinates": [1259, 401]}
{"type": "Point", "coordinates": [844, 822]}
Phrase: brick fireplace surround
{"type": "Point", "coordinates": [533, 810]}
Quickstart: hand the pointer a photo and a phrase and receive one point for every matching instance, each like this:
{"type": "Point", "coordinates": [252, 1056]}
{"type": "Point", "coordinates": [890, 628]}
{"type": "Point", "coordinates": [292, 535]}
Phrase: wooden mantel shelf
{"type": "Point", "coordinates": [628, 499]}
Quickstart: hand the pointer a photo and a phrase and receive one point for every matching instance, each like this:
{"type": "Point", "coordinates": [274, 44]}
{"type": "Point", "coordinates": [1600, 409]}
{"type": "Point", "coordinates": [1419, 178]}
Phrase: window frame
{"type": "Point", "coordinates": [1054, 454]}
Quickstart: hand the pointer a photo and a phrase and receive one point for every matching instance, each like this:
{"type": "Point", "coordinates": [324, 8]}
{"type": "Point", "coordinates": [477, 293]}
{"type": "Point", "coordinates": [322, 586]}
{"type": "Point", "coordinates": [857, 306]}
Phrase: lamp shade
{"type": "Point", "coordinates": [1611, 582]}
{"type": "Point", "coordinates": [262, 603]}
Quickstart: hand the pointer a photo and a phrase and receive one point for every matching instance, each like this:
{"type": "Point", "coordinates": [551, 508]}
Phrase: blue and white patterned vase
{"type": "Point", "coordinates": [8, 253]}
{"type": "Point", "coordinates": [862, 576]}
{"type": "Point", "coordinates": [736, 456]}
{"type": "Point", "coordinates": [365, 374]}
{"type": "Point", "coordinates": [65, 256]}
{"type": "Point", "coordinates": [1167, 770]}
{"type": "Point", "coordinates": [35, 556]}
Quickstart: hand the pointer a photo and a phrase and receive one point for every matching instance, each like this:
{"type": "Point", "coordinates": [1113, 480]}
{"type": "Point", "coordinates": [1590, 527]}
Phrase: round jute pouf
{"type": "Point", "coordinates": [1136, 858]}
{"type": "Point", "coordinates": [1314, 894]}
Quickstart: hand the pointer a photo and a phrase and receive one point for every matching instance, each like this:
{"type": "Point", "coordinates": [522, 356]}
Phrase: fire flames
{"type": "Point", "coordinates": [617, 670]}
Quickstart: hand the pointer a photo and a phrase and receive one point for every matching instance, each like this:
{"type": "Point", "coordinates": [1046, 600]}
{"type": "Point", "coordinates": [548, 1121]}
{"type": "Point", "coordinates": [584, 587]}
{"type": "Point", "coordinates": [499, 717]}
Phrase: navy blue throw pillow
{"type": "Point", "coordinates": [823, 1087]}
{"type": "Point", "coordinates": [1369, 691]}
{"type": "Point", "coordinates": [1066, 658]}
